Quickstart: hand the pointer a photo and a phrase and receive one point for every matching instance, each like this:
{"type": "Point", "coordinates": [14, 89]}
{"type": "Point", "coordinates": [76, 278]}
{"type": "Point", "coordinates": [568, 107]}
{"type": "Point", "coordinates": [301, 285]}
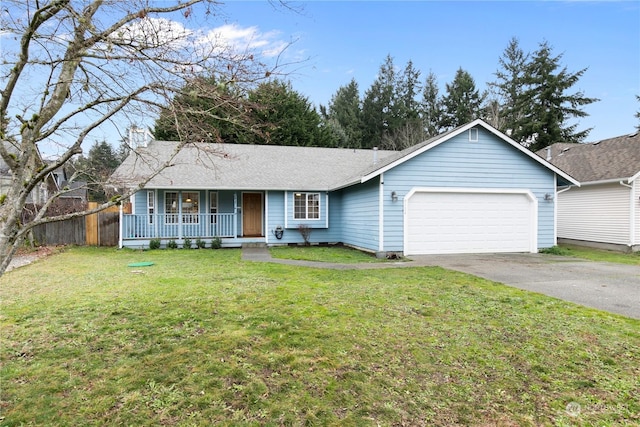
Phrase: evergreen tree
{"type": "Point", "coordinates": [431, 106]}
{"type": "Point", "coordinates": [463, 102]}
{"type": "Point", "coordinates": [344, 115]}
{"type": "Point", "coordinates": [96, 168]}
{"type": "Point", "coordinates": [287, 117]}
{"type": "Point", "coordinates": [406, 128]}
{"type": "Point", "coordinates": [503, 109]}
{"type": "Point", "coordinates": [546, 106]}
{"type": "Point", "coordinates": [637, 115]}
{"type": "Point", "coordinates": [378, 106]}
{"type": "Point", "coordinates": [206, 110]}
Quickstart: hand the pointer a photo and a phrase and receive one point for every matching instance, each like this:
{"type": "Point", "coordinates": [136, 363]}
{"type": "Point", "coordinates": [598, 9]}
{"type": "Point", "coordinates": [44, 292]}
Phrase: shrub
{"type": "Point", "coordinates": [200, 244]}
{"type": "Point", "coordinates": [216, 243]}
{"type": "Point", "coordinates": [186, 244]}
{"type": "Point", "coordinates": [305, 232]}
{"type": "Point", "coordinates": [171, 244]}
{"type": "Point", "coordinates": [154, 244]}
{"type": "Point", "coordinates": [556, 250]}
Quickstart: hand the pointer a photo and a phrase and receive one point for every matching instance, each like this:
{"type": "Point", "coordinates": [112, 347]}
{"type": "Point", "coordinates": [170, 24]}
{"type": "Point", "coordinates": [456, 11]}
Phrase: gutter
{"type": "Point", "coordinates": [609, 181]}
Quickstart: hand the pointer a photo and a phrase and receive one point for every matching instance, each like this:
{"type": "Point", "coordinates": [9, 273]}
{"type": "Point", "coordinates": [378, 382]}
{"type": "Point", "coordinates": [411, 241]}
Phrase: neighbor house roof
{"type": "Point", "coordinates": [269, 167]}
{"type": "Point", "coordinates": [612, 159]}
{"type": "Point", "coordinates": [242, 166]}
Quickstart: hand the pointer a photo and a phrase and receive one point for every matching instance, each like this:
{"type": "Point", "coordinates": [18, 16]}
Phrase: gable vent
{"type": "Point", "coordinates": [473, 135]}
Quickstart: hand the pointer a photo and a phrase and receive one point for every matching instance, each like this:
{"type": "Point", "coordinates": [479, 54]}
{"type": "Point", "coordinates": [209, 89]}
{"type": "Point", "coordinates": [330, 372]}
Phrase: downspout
{"type": "Point", "coordinates": [286, 213]}
{"type": "Point", "coordinates": [555, 214]}
{"type": "Point", "coordinates": [632, 216]}
{"type": "Point", "coordinates": [266, 217]}
{"type": "Point", "coordinates": [381, 214]}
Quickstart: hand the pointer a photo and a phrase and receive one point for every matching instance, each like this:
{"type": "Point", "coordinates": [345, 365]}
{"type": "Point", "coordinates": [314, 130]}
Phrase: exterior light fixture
{"type": "Point", "coordinates": [394, 196]}
{"type": "Point", "coordinates": [548, 197]}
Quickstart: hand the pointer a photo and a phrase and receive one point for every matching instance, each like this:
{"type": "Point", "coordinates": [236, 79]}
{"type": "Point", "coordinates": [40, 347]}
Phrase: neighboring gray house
{"type": "Point", "coordinates": [470, 190]}
{"type": "Point", "coordinates": [39, 194]}
{"type": "Point", "coordinates": [605, 210]}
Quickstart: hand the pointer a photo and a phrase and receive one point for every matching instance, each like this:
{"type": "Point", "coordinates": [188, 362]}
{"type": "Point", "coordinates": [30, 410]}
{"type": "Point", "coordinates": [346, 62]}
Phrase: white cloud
{"type": "Point", "coordinates": [233, 38]}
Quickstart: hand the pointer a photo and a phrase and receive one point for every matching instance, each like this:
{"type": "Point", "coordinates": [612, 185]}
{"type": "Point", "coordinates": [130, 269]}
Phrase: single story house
{"type": "Point", "coordinates": [470, 190]}
{"type": "Point", "coordinates": [605, 210]}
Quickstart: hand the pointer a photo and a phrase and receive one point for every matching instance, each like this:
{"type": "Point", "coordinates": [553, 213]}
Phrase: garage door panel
{"type": "Point", "coordinates": [444, 222]}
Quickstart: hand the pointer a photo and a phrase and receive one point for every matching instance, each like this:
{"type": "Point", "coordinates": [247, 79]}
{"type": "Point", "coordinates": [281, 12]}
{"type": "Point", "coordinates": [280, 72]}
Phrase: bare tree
{"type": "Point", "coordinates": [72, 66]}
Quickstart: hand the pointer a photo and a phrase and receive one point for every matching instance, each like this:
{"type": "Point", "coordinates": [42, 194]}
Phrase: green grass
{"type": "Point", "coordinates": [202, 338]}
{"type": "Point", "coordinates": [595, 254]}
{"type": "Point", "coordinates": [333, 254]}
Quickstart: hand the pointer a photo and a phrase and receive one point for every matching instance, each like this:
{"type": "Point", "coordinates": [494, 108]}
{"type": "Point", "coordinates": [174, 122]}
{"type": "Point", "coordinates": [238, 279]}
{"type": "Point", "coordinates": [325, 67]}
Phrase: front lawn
{"type": "Point", "coordinates": [601, 255]}
{"type": "Point", "coordinates": [201, 338]}
{"type": "Point", "coordinates": [334, 254]}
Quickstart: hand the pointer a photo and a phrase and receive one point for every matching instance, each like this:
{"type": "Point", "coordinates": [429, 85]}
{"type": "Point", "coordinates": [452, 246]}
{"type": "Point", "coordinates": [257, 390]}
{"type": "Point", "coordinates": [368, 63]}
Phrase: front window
{"type": "Point", "coordinates": [171, 207]}
{"type": "Point", "coordinates": [151, 205]}
{"type": "Point", "coordinates": [190, 207]}
{"type": "Point", "coordinates": [306, 206]}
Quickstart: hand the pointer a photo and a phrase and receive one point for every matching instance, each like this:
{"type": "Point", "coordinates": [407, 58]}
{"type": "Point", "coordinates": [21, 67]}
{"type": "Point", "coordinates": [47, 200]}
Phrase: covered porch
{"type": "Point", "coordinates": [230, 217]}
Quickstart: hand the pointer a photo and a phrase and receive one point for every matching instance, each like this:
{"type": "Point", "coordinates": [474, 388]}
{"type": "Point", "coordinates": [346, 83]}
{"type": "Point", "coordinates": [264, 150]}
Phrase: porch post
{"type": "Point", "coordinates": [235, 217]}
{"type": "Point", "coordinates": [120, 218]}
{"type": "Point", "coordinates": [179, 215]}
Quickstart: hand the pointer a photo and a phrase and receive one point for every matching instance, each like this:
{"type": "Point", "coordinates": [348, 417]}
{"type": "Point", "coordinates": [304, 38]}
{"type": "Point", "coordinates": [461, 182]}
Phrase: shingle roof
{"type": "Point", "coordinates": [608, 159]}
{"type": "Point", "coordinates": [271, 167]}
{"type": "Point", "coordinates": [247, 167]}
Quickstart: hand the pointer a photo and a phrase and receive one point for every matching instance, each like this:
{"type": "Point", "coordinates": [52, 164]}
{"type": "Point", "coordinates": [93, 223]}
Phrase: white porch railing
{"type": "Point", "coordinates": [179, 226]}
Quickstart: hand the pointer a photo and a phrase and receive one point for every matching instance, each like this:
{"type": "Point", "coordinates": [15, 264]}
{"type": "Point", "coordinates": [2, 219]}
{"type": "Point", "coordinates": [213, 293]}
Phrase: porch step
{"type": "Point", "coordinates": [254, 245]}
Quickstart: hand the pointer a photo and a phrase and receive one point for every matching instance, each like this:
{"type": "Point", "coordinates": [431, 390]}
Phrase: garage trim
{"type": "Point", "coordinates": [533, 220]}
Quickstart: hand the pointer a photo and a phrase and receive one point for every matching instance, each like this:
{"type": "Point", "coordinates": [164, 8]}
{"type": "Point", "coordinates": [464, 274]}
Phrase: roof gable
{"type": "Point", "coordinates": [606, 160]}
{"type": "Point", "coordinates": [418, 149]}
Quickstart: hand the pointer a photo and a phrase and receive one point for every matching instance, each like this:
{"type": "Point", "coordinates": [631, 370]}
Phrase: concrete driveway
{"type": "Point", "coordinates": [602, 285]}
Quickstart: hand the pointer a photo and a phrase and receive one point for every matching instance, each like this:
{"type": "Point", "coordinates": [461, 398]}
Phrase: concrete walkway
{"type": "Point", "coordinates": [606, 286]}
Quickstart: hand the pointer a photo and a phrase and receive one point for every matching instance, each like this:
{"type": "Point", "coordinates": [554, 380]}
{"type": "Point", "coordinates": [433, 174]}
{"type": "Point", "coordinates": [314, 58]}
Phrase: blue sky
{"type": "Point", "coordinates": [344, 40]}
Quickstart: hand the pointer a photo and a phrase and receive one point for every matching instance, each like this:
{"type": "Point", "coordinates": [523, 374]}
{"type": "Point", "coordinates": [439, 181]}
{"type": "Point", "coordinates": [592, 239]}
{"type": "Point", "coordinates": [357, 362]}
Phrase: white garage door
{"type": "Point", "coordinates": [440, 222]}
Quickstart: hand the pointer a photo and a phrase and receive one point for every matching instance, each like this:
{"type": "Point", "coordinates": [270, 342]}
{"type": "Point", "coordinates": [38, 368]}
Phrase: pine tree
{"type": "Point", "coordinates": [288, 118]}
{"type": "Point", "coordinates": [463, 101]}
{"type": "Point", "coordinates": [344, 115]}
{"type": "Point", "coordinates": [378, 106]}
{"type": "Point", "coordinates": [431, 106]}
{"type": "Point", "coordinates": [637, 115]}
{"type": "Point", "coordinates": [503, 110]}
{"type": "Point", "coordinates": [545, 105]}
{"type": "Point", "coordinates": [406, 128]}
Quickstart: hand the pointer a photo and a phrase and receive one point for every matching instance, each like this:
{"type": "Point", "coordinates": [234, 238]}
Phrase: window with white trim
{"type": "Point", "coordinates": [190, 207]}
{"type": "Point", "coordinates": [171, 207]}
{"type": "Point", "coordinates": [151, 205]}
{"type": "Point", "coordinates": [306, 206]}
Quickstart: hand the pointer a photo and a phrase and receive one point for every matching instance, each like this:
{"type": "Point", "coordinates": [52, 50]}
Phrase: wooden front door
{"type": "Point", "coordinates": [251, 214]}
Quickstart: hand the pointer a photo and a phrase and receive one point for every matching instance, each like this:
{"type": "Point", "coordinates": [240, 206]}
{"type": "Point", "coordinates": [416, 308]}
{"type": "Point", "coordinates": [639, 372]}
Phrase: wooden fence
{"type": "Point", "coordinates": [100, 229]}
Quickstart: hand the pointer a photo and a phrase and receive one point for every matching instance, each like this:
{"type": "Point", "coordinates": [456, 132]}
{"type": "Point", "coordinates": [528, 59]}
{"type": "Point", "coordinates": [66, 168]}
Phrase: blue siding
{"type": "Point", "coordinates": [359, 213]}
{"type": "Point", "coordinates": [488, 163]}
{"type": "Point", "coordinates": [319, 232]}
{"type": "Point", "coordinates": [353, 212]}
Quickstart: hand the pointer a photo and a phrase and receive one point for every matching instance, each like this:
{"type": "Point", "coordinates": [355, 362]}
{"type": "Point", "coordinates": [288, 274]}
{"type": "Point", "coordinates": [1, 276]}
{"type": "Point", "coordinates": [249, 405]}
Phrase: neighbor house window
{"type": "Point", "coordinates": [171, 207]}
{"type": "Point", "coordinates": [190, 207]}
{"type": "Point", "coordinates": [151, 205]}
{"type": "Point", "coordinates": [306, 205]}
